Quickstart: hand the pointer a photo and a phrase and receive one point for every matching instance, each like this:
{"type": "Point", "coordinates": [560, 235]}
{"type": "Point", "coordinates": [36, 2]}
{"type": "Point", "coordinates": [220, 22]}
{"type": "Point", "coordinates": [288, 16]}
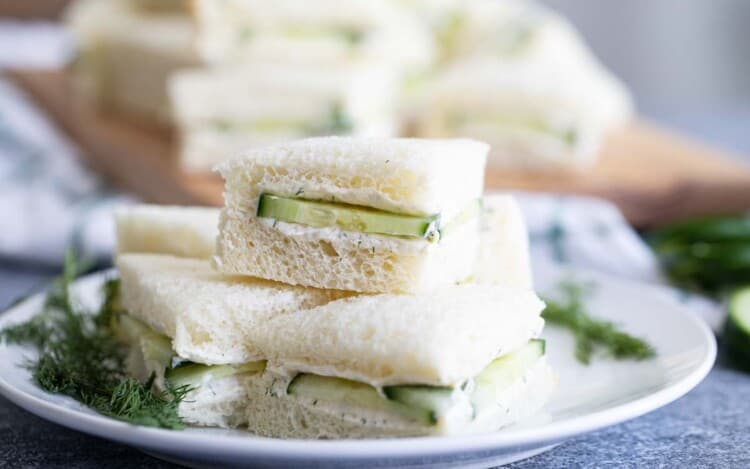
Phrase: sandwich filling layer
{"type": "Point", "coordinates": [474, 400]}
{"type": "Point", "coordinates": [319, 214]}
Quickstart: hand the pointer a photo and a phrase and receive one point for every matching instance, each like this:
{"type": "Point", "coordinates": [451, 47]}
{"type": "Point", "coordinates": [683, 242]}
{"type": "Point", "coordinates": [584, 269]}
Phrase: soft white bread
{"type": "Point", "coordinates": [279, 95]}
{"type": "Point", "coordinates": [521, 78]}
{"type": "Point", "coordinates": [325, 32]}
{"type": "Point", "coordinates": [163, 229]}
{"type": "Point", "coordinates": [402, 175]}
{"type": "Point", "coordinates": [125, 56]}
{"type": "Point", "coordinates": [210, 318]}
{"type": "Point", "coordinates": [407, 176]}
{"type": "Point", "coordinates": [203, 146]}
{"type": "Point", "coordinates": [534, 117]}
{"type": "Point", "coordinates": [504, 257]}
{"type": "Point", "coordinates": [224, 111]}
{"type": "Point", "coordinates": [440, 338]}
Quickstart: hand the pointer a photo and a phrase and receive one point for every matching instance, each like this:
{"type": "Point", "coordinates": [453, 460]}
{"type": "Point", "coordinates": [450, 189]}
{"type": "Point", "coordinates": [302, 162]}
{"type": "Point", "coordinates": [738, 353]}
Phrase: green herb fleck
{"type": "Point", "coordinates": [591, 332]}
{"type": "Point", "coordinates": [78, 357]}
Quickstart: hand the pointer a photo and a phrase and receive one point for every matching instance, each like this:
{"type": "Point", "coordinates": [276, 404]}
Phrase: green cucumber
{"type": "Point", "coordinates": [157, 349]}
{"type": "Point", "coordinates": [425, 404]}
{"type": "Point", "coordinates": [434, 400]}
{"type": "Point", "coordinates": [737, 329]}
{"type": "Point", "coordinates": [196, 374]}
{"type": "Point", "coordinates": [354, 394]}
{"type": "Point", "coordinates": [154, 346]}
{"type": "Point", "coordinates": [347, 217]}
{"type": "Point", "coordinates": [503, 372]}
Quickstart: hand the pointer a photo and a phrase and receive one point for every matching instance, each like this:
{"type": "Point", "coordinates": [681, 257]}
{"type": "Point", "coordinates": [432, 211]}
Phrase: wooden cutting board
{"type": "Point", "coordinates": [653, 175]}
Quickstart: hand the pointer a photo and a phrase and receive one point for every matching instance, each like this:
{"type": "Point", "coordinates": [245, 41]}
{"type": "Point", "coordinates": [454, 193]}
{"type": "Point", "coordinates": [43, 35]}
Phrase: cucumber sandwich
{"type": "Point", "coordinates": [296, 362]}
{"type": "Point", "coordinates": [223, 111]}
{"type": "Point", "coordinates": [358, 288]}
{"type": "Point", "coordinates": [323, 33]}
{"type": "Point", "coordinates": [299, 362]}
{"type": "Point", "coordinates": [521, 78]}
{"type": "Point", "coordinates": [365, 215]}
{"type": "Point", "coordinates": [127, 72]}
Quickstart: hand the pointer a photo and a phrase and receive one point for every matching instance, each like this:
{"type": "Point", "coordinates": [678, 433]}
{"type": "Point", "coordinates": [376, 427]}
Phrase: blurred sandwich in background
{"type": "Point", "coordinates": [223, 111]}
{"type": "Point", "coordinates": [229, 75]}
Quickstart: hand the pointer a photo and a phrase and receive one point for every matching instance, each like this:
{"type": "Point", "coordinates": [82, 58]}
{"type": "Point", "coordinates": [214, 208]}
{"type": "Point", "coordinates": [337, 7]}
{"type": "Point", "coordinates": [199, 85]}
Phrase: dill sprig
{"type": "Point", "coordinates": [590, 332]}
{"type": "Point", "coordinates": [78, 357]}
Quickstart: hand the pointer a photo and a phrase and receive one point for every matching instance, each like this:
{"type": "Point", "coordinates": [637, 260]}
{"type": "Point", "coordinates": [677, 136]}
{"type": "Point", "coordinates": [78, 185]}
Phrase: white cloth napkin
{"type": "Point", "coordinates": [49, 201]}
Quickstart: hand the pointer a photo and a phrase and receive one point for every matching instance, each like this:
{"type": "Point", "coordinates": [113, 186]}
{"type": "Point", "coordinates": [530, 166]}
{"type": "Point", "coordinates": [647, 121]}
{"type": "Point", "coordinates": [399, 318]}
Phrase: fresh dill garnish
{"type": "Point", "coordinates": [79, 357]}
{"type": "Point", "coordinates": [591, 332]}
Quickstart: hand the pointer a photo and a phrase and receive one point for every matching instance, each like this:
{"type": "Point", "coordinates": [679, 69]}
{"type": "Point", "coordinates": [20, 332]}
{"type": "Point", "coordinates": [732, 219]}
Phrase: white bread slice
{"type": "Point", "coordinates": [210, 318]}
{"type": "Point", "coordinates": [504, 257]}
{"type": "Point", "coordinates": [126, 72]}
{"type": "Point", "coordinates": [224, 111]}
{"type": "Point", "coordinates": [163, 229]}
{"type": "Point", "coordinates": [440, 338]}
{"type": "Point", "coordinates": [411, 176]}
{"type": "Point", "coordinates": [203, 146]}
{"type": "Point", "coordinates": [326, 32]}
{"type": "Point", "coordinates": [280, 93]}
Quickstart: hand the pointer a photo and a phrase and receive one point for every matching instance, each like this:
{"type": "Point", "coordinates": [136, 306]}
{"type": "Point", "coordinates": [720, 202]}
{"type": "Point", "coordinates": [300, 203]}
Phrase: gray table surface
{"type": "Point", "coordinates": [709, 427]}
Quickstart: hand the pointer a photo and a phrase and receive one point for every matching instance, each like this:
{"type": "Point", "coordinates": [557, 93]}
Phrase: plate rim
{"type": "Point", "coordinates": [411, 447]}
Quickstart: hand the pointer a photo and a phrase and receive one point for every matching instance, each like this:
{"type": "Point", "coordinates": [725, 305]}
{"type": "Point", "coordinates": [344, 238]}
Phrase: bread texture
{"type": "Point", "coordinates": [416, 177]}
{"type": "Point", "coordinates": [162, 229]}
{"type": "Point", "coordinates": [210, 318]}
{"type": "Point", "coordinates": [440, 338]}
{"type": "Point", "coordinates": [109, 52]}
{"type": "Point", "coordinates": [504, 257]}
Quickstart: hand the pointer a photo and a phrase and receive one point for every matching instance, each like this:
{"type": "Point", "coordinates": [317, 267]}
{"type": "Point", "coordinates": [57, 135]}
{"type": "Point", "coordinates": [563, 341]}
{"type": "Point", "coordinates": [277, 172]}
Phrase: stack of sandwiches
{"type": "Point", "coordinates": [521, 78]}
{"type": "Point", "coordinates": [358, 288]}
{"type": "Point", "coordinates": [234, 74]}
{"type": "Point", "coordinates": [221, 111]}
{"type": "Point", "coordinates": [127, 51]}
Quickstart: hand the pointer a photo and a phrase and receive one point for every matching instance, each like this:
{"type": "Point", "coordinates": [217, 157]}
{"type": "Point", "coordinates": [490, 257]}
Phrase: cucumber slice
{"type": "Point", "coordinates": [347, 217]}
{"type": "Point", "coordinates": [503, 372]}
{"type": "Point", "coordinates": [354, 394]}
{"type": "Point", "coordinates": [155, 347]}
{"type": "Point", "coordinates": [737, 331]}
{"type": "Point", "coordinates": [422, 403]}
{"type": "Point", "coordinates": [434, 400]}
{"type": "Point", "coordinates": [194, 374]}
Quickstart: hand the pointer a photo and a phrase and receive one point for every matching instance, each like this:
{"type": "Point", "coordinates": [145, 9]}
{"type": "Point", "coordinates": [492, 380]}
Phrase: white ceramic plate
{"type": "Point", "coordinates": [589, 397]}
